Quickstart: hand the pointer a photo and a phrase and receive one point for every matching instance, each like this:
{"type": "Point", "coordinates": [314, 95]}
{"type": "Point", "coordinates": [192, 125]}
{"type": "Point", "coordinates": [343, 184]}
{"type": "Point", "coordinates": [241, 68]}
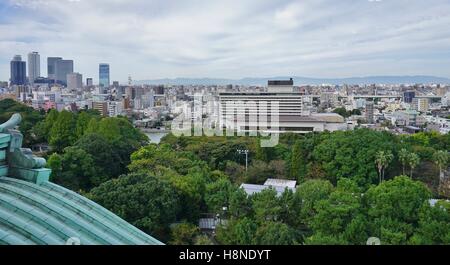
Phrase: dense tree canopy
{"type": "Point", "coordinates": [144, 200]}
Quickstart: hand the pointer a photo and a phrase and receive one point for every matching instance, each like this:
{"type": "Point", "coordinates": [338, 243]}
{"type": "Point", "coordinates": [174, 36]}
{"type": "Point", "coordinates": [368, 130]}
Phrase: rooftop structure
{"type": "Point", "coordinates": [279, 185]}
{"type": "Point", "coordinates": [34, 211]}
{"type": "Point", "coordinates": [280, 86]}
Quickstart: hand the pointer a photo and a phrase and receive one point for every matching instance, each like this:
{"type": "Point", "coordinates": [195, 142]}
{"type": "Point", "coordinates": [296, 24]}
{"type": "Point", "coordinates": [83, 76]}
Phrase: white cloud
{"type": "Point", "coordinates": [158, 38]}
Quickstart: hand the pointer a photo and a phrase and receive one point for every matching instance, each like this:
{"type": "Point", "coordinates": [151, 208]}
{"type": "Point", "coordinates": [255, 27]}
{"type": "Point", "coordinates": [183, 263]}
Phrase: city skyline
{"type": "Point", "coordinates": [231, 40]}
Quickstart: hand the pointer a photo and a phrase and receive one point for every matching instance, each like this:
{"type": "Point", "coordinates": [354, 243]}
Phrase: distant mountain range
{"type": "Point", "coordinates": [298, 80]}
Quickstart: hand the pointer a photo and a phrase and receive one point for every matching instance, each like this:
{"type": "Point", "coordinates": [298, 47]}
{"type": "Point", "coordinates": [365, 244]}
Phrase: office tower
{"type": "Point", "coordinates": [63, 68]}
{"type": "Point", "coordinates": [34, 66]}
{"type": "Point", "coordinates": [57, 69]}
{"type": "Point", "coordinates": [408, 96]}
{"type": "Point", "coordinates": [89, 81]}
{"type": "Point", "coordinates": [115, 84]}
{"type": "Point", "coordinates": [51, 67]}
{"type": "Point", "coordinates": [103, 74]}
{"type": "Point", "coordinates": [369, 112]}
{"type": "Point", "coordinates": [74, 81]}
{"type": "Point", "coordinates": [18, 71]}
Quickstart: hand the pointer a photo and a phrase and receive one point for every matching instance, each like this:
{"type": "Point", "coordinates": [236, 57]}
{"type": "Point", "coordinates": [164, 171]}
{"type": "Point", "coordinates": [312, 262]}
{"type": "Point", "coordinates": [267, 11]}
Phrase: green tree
{"type": "Point", "coordinates": [343, 112]}
{"type": "Point", "coordinates": [403, 156]}
{"type": "Point", "coordinates": [42, 129]}
{"type": "Point", "coordinates": [203, 240]}
{"type": "Point", "coordinates": [298, 163]}
{"type": "Point", "coordinates": [393, 209]}
{"type": "Point", "coordinates": [413, 162]}
{"type": "Point", "coordinates": [237, 232]}
{"type": "Point", "coordinates": [62, 133]}
{"type": "Point", "coordinates": [383, 159]}
{"type": "Point", "coordinates": [310, 193]}
{"type": "Point", "coordinates": [240, 204]}
{"type": "Point", "coordinates": [83, 119]}
{"type": "Point", "coordinates": [191, 191]}
{"type": "Point", "coordinates": [351, 154]}
{"type": "Point", "coordinates": [341, 215]}
{"type": "Point", "coordinates": [275, 233]}
{"type": "Point", "coordinates": [266, 206]}
{"type": "Point", "coordinates": [105, 156]}
{"type": "Point", "coordinates": [184, 234]}
{"type": "Point", "coordinates": [441, 160]}
{"type": "Point", "coordinates": [147, 202]}
{"type": "Point", "coordinates": [321, 239]}
{"type": "Point", "coordinates": [217, 195]}
{"type": "Point", "coordinates": [74, 169]}
{"type": "Point", "coordinates": [434, 224]}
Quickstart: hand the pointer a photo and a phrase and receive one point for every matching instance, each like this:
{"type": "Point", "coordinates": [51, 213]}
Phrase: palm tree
{"type": "Point", "coordinates": [441, 160]}
{"type": "Point", "coordinates": [403, 157]}
{"type": "Point", "coordinates": [413, 161]}
{"type": "Point", "coordinates": [383, 159]}
{"type": "Point", "coordinates": [379, 160]}
{"type": "Point", "coordinates": [389, 158]}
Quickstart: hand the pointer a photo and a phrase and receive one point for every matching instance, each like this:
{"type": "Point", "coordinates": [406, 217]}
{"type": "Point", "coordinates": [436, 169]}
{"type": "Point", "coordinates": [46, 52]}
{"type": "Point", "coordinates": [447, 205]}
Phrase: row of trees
{"type": "Point", "coordinates": [383, 159]}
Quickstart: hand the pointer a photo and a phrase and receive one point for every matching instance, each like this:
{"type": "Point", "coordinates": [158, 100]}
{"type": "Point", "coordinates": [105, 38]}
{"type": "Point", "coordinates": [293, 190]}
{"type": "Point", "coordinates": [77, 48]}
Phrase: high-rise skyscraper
{"type": "Point", "coordinates": [369, 112]}
{"type": "Point", "coordinates": [103, 74]}
{"type": "Point", "coordinates": [63, 68]}
{"type": "Point", "coordinates": [34, 66]}
{"type": "Point", "coordinates": [74, 81]}
{"type": "Point", "coordinates": [51, 67]}
{"type": "Point", "coordinates": [58, 69]}
{"type": "Point", "coordinates": [18, 71]}
{"type": "Point", "coordinates": [89, 81]}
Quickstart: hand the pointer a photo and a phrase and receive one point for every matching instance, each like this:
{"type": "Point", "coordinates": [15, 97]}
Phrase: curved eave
{"type": "Point", "coordinates": [48, 214]}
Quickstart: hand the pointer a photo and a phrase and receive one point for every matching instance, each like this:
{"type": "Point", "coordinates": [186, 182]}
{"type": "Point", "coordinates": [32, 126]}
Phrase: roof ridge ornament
{"type": "Point", "coordinates": [15, 120]}
{"type": "Point", "coordinates": [18, 162]}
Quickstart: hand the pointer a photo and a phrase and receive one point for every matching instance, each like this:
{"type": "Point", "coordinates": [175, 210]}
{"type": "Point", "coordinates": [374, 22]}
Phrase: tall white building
{"type": "Point", "coordinates": [245, 111]}
{"type": "Point", "coordinates": [34, 66]}
{"type": "Point", "coordinates": [74, 81]}
{"type": "Point", "coordinates": [114, 108]}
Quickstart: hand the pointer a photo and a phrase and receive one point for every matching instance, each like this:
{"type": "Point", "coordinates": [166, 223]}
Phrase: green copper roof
{"type": "Point", "coordinates": [34, 211]}
{"type": "Point", "coordinates": [50, 214]}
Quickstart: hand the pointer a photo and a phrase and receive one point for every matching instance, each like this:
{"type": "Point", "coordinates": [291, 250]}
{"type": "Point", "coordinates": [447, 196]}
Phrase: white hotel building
{"type": "Point", "coordinates": [280, 103]}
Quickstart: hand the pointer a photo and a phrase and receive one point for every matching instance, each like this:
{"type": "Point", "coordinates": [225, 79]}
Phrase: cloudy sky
{"type": "Point", "coordinates": [151, 39]}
